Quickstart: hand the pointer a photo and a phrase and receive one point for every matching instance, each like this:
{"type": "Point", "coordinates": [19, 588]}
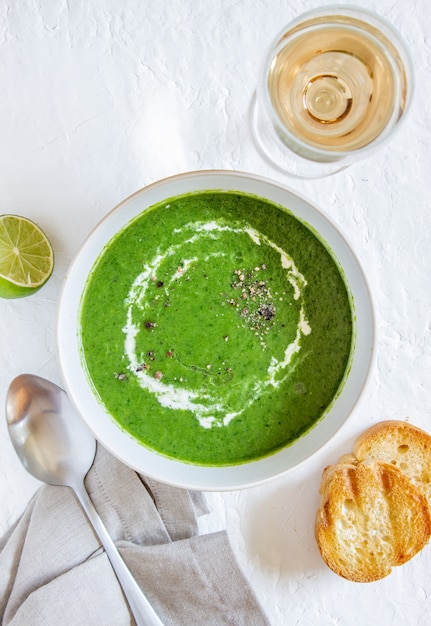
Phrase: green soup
{"type": "Point", "coordinates": [217, 328]}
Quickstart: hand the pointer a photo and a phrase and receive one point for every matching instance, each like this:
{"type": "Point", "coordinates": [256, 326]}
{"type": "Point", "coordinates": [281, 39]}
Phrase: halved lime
{"type": "Point", "coordinates": [26, 257]}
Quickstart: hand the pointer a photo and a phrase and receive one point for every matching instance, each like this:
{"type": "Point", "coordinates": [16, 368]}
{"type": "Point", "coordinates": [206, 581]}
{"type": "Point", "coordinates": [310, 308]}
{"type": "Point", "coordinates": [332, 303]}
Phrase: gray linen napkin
{"type": "Point", "coordinates": [54, 571]}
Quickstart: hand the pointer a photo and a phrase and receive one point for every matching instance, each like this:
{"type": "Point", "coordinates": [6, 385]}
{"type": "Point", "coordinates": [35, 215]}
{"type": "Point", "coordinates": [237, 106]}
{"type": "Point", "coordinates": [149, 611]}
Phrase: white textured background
{"type": "Point", "coordinates": [99, 98]}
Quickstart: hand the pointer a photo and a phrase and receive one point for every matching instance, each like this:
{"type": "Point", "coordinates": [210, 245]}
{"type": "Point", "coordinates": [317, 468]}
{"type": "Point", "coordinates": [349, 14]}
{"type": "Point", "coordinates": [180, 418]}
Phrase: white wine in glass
{"type": "Point", "coordinates": [334, 86]}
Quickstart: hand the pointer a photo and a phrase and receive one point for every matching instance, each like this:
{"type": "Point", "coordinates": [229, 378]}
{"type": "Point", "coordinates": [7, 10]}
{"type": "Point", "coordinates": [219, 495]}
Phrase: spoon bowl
{"type": "Point", "coordinates": [50, 439]}
{"type": "Point", "coordinates": [56, 447]}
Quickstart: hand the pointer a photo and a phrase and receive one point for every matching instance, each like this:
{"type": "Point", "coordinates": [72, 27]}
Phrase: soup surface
{"type": "Point", "coordinates": [216, 328]}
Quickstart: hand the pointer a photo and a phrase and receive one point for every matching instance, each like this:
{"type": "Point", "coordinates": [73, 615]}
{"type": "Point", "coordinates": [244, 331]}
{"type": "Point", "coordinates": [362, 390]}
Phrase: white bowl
{"type": "Point", "coordinates": [176, 472]}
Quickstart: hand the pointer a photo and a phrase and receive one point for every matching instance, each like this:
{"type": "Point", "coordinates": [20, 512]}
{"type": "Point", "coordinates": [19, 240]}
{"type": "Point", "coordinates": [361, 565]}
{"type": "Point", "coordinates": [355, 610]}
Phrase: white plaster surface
{"type": "Point", "coordinates": [98, 98]}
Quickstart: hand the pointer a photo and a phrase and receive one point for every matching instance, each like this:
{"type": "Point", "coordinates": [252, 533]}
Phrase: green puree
{"type": "Point", "coordinates": [216, 328]}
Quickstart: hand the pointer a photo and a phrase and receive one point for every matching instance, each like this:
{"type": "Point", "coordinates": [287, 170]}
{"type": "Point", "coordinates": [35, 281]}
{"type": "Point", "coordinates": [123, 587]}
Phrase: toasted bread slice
{"type": "Point", "coordinates": [399, 443]}
{"type": "Point", "coordinates": [371, 518]}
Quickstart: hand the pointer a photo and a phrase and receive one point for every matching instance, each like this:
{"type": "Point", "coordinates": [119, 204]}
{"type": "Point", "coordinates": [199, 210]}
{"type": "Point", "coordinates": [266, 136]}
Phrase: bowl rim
{"type": "Point", "coordinates": [172, 471]}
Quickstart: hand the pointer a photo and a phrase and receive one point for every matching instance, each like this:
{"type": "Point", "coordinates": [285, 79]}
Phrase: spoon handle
{"type": "Point", "coordinates": [142, 610]}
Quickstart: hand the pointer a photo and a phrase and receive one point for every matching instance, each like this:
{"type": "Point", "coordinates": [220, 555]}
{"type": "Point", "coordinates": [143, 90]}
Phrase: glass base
{"type": "Point", "coordinates": [279, 155]}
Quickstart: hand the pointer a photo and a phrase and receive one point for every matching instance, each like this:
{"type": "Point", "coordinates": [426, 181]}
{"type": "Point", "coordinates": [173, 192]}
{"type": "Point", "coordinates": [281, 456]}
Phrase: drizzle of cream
{"type": "Point", "coordinates": [208, 410]}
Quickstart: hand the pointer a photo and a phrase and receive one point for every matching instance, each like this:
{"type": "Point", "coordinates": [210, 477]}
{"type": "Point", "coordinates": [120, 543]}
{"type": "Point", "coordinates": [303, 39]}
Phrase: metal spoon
{"type": "Point", "coordinates": [54, 444]}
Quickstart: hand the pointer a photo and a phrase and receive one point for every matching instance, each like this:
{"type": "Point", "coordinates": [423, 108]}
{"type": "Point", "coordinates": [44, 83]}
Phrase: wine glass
{"type": "Point", "coordinates": [334, 86]}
